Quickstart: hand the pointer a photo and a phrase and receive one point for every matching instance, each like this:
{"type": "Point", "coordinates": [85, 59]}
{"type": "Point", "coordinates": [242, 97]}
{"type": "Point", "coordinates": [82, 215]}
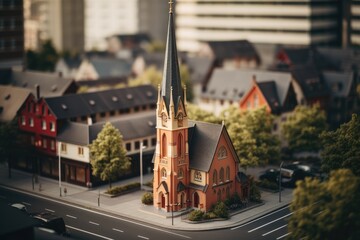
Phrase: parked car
{"type": "Point", "coordinates": [291, 173]}
{"type": "Point", "coordinates": [51, 221]}
{"type": "Point", "coordinates": [19, 206]}
{"type": "Point", "coordinates": [271, 174]}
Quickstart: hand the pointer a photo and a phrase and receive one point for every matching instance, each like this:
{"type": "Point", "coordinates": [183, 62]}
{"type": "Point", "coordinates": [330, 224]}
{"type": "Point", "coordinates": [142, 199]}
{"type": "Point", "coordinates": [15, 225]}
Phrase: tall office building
{"type": "Point", "coordinates": [354, 29]}
{"type": "Point", "coordinates": [61, 21]}
{"type": "Point", "coordinates": [290, 22]}
{"type": "Point", "coordinates": [110, 17]}
{"type": "Point", "coordinates": [11, 33]}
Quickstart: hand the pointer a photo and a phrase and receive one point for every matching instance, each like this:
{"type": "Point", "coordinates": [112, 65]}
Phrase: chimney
{"type": "Point", "coordinates": [37, 86]}
{"type": "Point", "coordinates": [60, 74]}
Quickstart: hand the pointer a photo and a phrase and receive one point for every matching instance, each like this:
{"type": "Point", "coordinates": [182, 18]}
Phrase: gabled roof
{"type": "Point", "coordinates": [72, 62]}
{"type": "Point", "coordinates": [298, 55]}
{"type": "Point", "coordinates": [11, 99]}
{"type": "Point", "coordinates": [51, 85]}
{"type": "Point", "coordinates": [339, 82]}
{"type": "Point", "coordinates": [111, 67]}
{"type": "Point", "coordinates": [269, 90]}
{"type": "Point", "coordinates": [76, 105]}
{"type": "Point", "coordinates": [310, 81]}
{"type": "Point", "coordinates": [199, 67]}
{"type": "Point", "coordinates": [131, 127]}
{"type": "Point", "coordinates": [154, 59]}
{"type": "Point", "coordinates": [341, 59]}
{"type": "Point", "coordinates": [232, 84]}
{"type": "Point", "coordinates": [232, 49]}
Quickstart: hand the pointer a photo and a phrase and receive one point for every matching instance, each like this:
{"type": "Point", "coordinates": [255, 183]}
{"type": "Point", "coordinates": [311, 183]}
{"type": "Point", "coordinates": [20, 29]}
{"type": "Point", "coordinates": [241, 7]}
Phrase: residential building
{"type": "Point", "coordinates": [195, 164]}
{"type": "Point", "coordinates": [11, 99]}
{"type": "Point", "coordinates": [11, 34]}
{"type": "Point", "coordinates": [67, 66]}
{"type": "Point", "coordinates": [314, 22]}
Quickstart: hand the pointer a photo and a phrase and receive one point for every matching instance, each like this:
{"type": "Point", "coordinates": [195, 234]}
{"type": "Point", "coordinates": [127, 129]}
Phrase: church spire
{"type": "Point", "coordinates": [171, 74]}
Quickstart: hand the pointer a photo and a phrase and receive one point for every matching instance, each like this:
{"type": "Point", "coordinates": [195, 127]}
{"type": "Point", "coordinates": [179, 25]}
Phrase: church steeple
{"type": "Point", "coordinates": [171, 75]}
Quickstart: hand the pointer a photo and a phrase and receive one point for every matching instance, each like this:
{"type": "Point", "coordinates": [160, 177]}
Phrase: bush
{"type": "Point", "coordinates": [220, 210]}
{"type": "Point", "coordinates": [209, 215]}
{"type": "Point", "coordinates": [147, 198]}
{"type": "Point", "coordinates": [268, 184]}
{"type": "Point", "coordinates": [196, 215]}
{"type": "Point", "coordinates": [121, 189]}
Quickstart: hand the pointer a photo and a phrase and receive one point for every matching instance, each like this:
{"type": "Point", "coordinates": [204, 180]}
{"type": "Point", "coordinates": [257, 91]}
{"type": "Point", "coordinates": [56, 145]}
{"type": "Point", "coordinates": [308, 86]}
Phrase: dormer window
{"type": "Point", "coordinates": [64, 107]}
{"type": "Point", "coordinates": [149, 94]}
{"type": "Point", "coordinates": [54, 88]}
{"type": "Point", "coordinates": [129, 96]}
{"type": "Point", "coordinates": [92, 102]}
{"type": "Point", "coordinates": [7, 97]}
{"type": "Point", "coordinates": [114, 99]}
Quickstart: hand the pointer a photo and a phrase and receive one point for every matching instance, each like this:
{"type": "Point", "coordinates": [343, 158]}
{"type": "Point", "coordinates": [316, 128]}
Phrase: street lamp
{"type": "Point", "coordinates": [281, 164]}
{"type": "Point", "coordinates": [141, 164]}
{"type": "Point", "coordinates": [59, 147]}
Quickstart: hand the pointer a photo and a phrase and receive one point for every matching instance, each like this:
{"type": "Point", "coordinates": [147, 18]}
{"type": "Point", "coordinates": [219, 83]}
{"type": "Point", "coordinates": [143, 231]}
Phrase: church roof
{"type": "Point", "coordinates": [171, 74]}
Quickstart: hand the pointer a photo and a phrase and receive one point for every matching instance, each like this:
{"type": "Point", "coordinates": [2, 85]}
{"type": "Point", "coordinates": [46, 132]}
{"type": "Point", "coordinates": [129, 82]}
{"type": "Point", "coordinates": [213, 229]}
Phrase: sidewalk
{"type": "Point", "coordinates": [130, 205]}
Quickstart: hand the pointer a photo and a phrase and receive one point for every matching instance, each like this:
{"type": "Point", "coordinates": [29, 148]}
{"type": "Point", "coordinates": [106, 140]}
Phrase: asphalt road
{"type": "Point", "coordinates": [90, 224]}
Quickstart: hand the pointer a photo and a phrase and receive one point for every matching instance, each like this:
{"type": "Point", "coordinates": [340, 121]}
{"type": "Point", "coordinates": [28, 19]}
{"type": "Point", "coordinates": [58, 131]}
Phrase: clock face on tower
{"type": "Point", "coordinates": [180, 117]}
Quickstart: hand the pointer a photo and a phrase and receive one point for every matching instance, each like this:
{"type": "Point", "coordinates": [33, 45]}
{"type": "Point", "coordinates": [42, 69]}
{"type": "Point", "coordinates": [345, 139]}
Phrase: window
{"type": "Point", "coordinates": [12, 23]}
{"type": "Point", "coordinates": [23, 120]}
{"type": "Point", "coordinates": [31, 122]}
{"type": "Point", "coordinates": [81, 151]}
{"type": "Point", "coordinates": [2, 44]}
{"type": "Point", "coordinates": [44, 143]}
{"type": "Point", "coordinates": [215, 177]}
{"type": "Point", "coordinates": [228, 173]}
{"type": "Point", "coordinates": [43, 110]}
{"type": "Point", "coordinates": [164, 143]}
{"type": "Point", "coordinates": [63, 147]}
{"type": "Point", "coordinates": [128, 146]}
{"type": "Point", "coordinates": [222, 153]}
{"type": "Point", "coordinates": [52, 126]}
{"type": "Point", "coordinates": [256, 100]}
{"type": "Point", "coordinates": [52, 145]}
{"type": "Point", "coordinates": [153, 142]}
{"type": "Point", "coordinates": [181, 173]}
{"type": "Point", "coordinates": [145, 143]}
{"type": "Point", "coordinates": [137, 145]}
{"type": "Point", "coordinates": [163, 173]}
{"type": "Point", "coordinates": [248, 105]}
{"type": "Point", "coordinates": [221, 175]}
{"type": "Point", "coordinates": [1, 24]}
{"type": "Point", "coordinates": [197, 176]}
{"type": "Point", "coordinates": [13, 44]}
{"type": "Point", "coordinates": [43, 125]}
{"type": "Point", "coordinates": [179, 145]}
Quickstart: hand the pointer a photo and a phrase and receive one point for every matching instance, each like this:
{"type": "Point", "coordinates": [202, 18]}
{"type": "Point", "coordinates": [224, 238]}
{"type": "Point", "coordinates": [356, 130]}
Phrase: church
{"type": "Point", "coordinates": [195, 164]}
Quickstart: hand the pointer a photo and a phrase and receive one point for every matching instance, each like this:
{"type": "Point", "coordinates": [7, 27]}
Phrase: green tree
{"type": "Point", "coordinates": [303, 127]}
{"type": "Point", "coordinates": [341, 148]}
{"type": "Point", "coordinates": [197, 114]}
{"type": "Point", "coordinates": [251, 134]}
{"type": "Point", "coordinates": [108, 156]}
{"type": "Point", "coordinates": [8, 143]}
{"type": "Point", "coordinates": [44, 60]}
{"type": "Point", "coordinates": [326, 210]}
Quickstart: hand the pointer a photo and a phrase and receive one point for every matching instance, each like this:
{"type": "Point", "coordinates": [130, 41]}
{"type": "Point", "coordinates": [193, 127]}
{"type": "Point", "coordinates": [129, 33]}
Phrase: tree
{"type": "Point", "coordinates": [108, 156]}
{"type": "Point", "coordinates": [303, 127]}
{"type": "Point", "coordinates": [8, 143]}
{"type": "Point", "coordinates": [44, 60]}
{"type": "Point", "coordinates": [326, 210]}
{"type": "Point", "coordinates": [251, 134]}
{"type": "Point", "coordinates": [341, 148]}
{"type": "Point", "coordinates": [197, 114]}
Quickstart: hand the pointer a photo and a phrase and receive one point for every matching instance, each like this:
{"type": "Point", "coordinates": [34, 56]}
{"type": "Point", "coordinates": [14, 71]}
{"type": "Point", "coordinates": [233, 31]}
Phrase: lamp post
{"type": "Point", "coordinates": [60, 167]}
{"type": "Point", "coordinates": [141, 164]}
{"type": "Point", "coordinates": [281, 164]}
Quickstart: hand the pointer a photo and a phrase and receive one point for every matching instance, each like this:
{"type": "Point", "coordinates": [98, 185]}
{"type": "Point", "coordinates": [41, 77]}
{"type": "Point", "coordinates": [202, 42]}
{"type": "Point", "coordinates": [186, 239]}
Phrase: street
{"type": "Point", "coordinates": [85, 223]}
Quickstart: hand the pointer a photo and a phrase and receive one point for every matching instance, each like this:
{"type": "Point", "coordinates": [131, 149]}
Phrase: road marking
{"type": "Point", "coordinates": [93, 211]}
{"type": "Point", "coordinates": [94, 234]}
{"type": "Point", "coordinates": [283, 236]}
{"type": "Point", "coordinates": [94, 223]}
{"type": "Point", "coordinates": [49, 210]}
{"type": "Point", "coordinates": [274, 230]}
{"type": "Point", "coordinates": [118, 230]}
{"type": "Point", "coordinates": [29, 204]}
{"type": "Point", "coordinates": [139, 236]}
{"type": "Point", "coordinates": [258, 219]}
{"type": "Point", "coordinates": [70, 216]}
{"type": "Point", "coordinates": [269, 223]}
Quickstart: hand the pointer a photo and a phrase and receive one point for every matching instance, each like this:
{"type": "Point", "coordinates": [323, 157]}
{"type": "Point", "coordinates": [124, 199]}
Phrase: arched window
{"type": "Point", "coordinates": [163, 173]}
{"type": "Point", "coordinates": [227, 173]}
{"type": "Point", "coordinates": [215, 177]}
{"type": "Point", "coordinates": [180, 145]}
{"type": "Point", "coordinates": [181, 173]}
{"type": "Point", "coordinates": [221, 175]}
{"type": "Point", "coordinates": [222, 153]}
{"type": "Point", "coordinates": [164, 146]}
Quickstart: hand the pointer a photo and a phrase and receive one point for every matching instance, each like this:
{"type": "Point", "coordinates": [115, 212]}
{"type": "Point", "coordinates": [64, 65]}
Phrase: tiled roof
{"type": "Point", "coordinates": [231, 49]}
{"type": "Point", "coordinates": [199, 67]}
{"type": "Point", "coordinates": [269, 90]}
{"type": "Point", "coordinates": [11, 99]}
{"type": "Point", "coordinates": [111, 67]}
{"type": "Point", "coordinates": [76, 105]}
{"type": "Point", "coordinates": [339, 83]}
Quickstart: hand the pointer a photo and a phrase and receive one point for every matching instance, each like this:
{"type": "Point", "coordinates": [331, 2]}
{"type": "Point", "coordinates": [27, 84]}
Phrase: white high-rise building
{"type": "Point", "coordinates": [294, 22]}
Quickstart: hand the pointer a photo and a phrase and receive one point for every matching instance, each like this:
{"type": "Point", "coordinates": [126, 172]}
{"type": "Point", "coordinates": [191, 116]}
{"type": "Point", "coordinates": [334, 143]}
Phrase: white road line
{"type": "Point", "coordinates": [29, 204]}
{"type": "Point", "coordinates": [94, 223]}
{"type": "Point", "coordinates": [283, 236]}
{"type": "Point", "coordinates": [118, 230]}
{"type": "Point", "coordinates": [139, 236]}
{"type": "Point", "coordinates": [49, 210]}
{"type": "Point", "coordinates": [269, 223]}
{"type": "Point", "coordinates": [93, 211]}
{"type": "Point", "coordinates": [70, 216]}
{"type": "Point", "coordinates": [258, 219]}
{"type": "Point", "coordinates": [94, 234]}
{"type": "Point", "coordinates": [274, 230]}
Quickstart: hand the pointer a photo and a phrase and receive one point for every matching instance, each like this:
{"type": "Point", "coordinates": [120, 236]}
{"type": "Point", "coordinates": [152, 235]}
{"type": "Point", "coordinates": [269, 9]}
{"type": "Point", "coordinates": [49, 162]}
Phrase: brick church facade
{"type": "Point", "coordinates": [195, 164]}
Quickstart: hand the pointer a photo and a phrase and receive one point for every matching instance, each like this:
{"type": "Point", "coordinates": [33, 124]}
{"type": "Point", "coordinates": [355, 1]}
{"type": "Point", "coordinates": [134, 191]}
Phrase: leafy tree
{"type": "Point", "coordinates": [108, 156]}
{"type": "Point", "coordinates": [197, 114]}
{"type": "Point", "coordinates": [326, 210]}
{"type": "Point", "coordinates": [302, 129]}
{"type": "Point", "coordinates": [8, 143]}
{"type": "Point", "coordinates": [44, 60]}
{"type": "Point", "coordinates": [251, 134]}
{"type": "Point", "coordinates": [341, 148]}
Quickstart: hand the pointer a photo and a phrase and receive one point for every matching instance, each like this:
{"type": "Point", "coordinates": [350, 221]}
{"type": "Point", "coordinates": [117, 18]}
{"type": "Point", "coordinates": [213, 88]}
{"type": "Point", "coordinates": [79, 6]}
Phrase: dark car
{"type": "Point", "coordinates": [291, 173]}
{"type": "Point", "coordinates": [51, 221]}
{"type": "Point", "coordinates": [271, 174]}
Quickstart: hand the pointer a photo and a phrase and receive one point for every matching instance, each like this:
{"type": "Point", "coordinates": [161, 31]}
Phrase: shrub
{"type": "Point", "coordinates": [220, 210]}
{"type": "Point", "coordinates": [255, 194]}
{"type": "Point", "coordinates": [147, 198]}
{"type": "Point", "coordinates": [124, 188]}
{"type": "Point", "coordinates": [196, 215]}
{"type": "Point", "coordinates": [268, 184]}
{"type": "Point", "coordinates": [209, 215]}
